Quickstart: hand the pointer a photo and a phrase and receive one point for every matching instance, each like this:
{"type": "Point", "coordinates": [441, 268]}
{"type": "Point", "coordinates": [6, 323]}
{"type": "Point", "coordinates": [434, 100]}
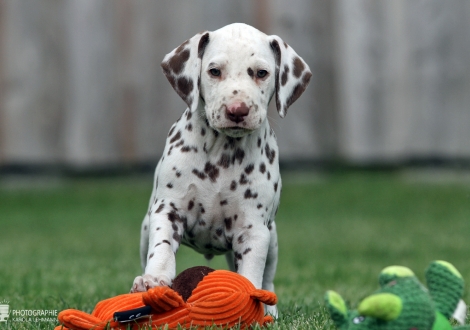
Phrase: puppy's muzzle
{"type": "Point", "coordinates": [237, 112]}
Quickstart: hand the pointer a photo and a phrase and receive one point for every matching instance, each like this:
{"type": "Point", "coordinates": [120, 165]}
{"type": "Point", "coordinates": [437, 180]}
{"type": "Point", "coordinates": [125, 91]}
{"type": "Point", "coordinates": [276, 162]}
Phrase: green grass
{"type": "Point", "coordinates": [70, 243]}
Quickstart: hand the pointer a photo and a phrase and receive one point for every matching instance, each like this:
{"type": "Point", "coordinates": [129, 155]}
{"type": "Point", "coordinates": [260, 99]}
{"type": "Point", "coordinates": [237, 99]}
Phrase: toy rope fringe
{"type": "Point", "coordinates": [222, 298]}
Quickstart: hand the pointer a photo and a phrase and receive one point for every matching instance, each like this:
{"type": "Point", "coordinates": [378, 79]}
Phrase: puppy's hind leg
{"type": "Point", "coordinates": [144, 242]}
{"type": "Point", "coordinates": [270, 268]}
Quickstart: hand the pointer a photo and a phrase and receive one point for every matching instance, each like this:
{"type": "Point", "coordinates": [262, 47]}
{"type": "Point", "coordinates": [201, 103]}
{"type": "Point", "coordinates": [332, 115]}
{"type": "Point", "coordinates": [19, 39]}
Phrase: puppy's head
{"type": "Point", "coordinates": [235, 71]}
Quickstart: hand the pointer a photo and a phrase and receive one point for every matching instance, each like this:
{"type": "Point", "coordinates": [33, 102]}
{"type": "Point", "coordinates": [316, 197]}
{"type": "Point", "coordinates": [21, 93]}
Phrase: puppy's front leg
{"type": "Point", "coordinates": [165, 232]}
{"type": "Point", "coordinates": [250, 247]}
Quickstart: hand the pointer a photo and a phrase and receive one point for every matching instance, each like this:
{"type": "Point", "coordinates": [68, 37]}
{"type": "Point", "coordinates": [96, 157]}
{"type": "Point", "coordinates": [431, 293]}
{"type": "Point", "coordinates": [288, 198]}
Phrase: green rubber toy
{"type": "Point", "coordinates": [403, 303]}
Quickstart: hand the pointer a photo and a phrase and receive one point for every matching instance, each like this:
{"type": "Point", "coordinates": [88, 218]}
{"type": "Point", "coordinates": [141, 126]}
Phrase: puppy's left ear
{"type": "Point", "coordinates": [182, 68]}
{"type": "Point", "coordinates": [292, 74]}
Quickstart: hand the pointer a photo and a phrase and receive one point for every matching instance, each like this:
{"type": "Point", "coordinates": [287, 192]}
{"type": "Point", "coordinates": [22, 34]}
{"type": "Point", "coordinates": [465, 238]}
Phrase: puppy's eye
{"type": "Point", "coordinates": [215, 72]}
{"type": "Point", "coordinates": [261, 73]}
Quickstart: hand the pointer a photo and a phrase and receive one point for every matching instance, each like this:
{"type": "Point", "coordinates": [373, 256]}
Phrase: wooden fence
{"type": "Point", "coordinates": [81, 83]}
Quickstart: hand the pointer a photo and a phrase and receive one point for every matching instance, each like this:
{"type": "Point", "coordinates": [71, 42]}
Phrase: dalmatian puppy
{"type": "Point", "coordinates": [217, 186]}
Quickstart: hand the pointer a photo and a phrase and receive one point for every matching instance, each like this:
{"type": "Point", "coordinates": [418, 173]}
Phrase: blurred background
{"type": "Point", "coordinates": [83, 97]}
{"type": "Point", "coordinates": [82, 87]}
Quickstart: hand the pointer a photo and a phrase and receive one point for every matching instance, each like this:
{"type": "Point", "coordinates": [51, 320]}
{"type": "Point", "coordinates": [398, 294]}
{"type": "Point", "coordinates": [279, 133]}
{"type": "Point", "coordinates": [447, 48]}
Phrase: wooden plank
{"type": "Point", "coordinates": [81, 82]}
{"type": "Point", "coordinates": [33, 85]}
{"type": "Point", "coordinates": [90, 113]}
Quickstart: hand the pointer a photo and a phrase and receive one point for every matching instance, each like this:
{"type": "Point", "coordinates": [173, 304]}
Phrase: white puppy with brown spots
{"type": "Point", "coordinates": [217, 185]}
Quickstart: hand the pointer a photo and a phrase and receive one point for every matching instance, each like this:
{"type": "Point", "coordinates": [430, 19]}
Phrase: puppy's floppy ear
{"type": "Point", "coordinates": [182, 68]}
{"type": "Point", "coordinates": [292, 74]}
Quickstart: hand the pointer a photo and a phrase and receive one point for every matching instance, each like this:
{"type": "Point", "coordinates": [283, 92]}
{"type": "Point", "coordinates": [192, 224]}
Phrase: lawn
{"type": "Point", "coordinates": [68, 243]}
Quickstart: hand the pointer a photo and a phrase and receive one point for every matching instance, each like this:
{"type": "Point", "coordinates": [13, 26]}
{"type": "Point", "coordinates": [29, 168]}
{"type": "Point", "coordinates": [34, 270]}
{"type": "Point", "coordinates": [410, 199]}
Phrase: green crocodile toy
{"type": "Point", "coordinates": [403, 303]}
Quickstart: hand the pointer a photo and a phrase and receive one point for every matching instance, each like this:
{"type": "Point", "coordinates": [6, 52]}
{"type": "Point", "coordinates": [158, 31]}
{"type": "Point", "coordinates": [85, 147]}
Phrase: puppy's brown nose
{"type": "Point", "coordinates": [237, 112]}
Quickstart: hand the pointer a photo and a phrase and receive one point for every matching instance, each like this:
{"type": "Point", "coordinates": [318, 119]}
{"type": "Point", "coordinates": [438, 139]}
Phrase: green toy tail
{"type": "Point", "coordinates": [337, 308]}
{"type": "Point", "coordinates": [445, 286]}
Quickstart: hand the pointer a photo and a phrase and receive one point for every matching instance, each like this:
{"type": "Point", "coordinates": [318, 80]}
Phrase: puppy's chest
{"type": "Point", "coordinates": [196, 155]}
{"type": "Point", "coordinates": [212, 226]}
{"type": "Point", "coordinates": [219, 185]}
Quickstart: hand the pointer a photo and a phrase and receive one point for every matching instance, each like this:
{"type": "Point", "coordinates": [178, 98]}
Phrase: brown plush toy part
{"type": "Point", "coordinates": [199, 297]}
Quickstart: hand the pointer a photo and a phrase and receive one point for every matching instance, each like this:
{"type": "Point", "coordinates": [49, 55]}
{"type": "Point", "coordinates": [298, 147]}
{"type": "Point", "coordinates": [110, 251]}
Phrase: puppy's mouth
{"type": "Point", "coordinates": [235, 131]}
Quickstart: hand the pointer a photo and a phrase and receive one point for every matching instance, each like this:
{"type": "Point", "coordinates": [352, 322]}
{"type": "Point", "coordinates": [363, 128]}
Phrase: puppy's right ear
{"type": "Point", "coordinates": [292, 74]}
{"type": "Point", "coordinates": [182, 68]}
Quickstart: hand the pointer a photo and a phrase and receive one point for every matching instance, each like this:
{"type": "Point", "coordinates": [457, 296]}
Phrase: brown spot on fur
{"type": "Point", "coordinates": [224, 161]}
{"type": "Point", "coordinates": [202, 45]}
{"type": "Point", "coordinates": [181, 47]}
{"type": "Point", "coordinates": [249, 194]}
{"type": "Point", "coordinates": [243, 179]}
{"type": "Point", "coordinates": [212, 171]}
{"type": "Point", "coordinates": [188, 149]}
{"type": "Point", "coordinates": [228, 223]}
{"type": "Point", "coordinates": [238, 155]}
{"type": "Point", "coordinates": [249, 168]}
{"type": "Point", "coordinates": [284, 75]}
{"type": "Point", "coordinates": [185, 86]}
{"type": "Point", "coordinates": [277, 55]}
{"type": "Point", "coordinates": [190, 205]}
{"type": "Point", "coordinates": [180, 143]}
{"type": "Point", "coordinates": [271, 154]}
{"type": "Point", "coordinates": [173, 216]}
{"type": "Point", "coordinates": [230, 143]}
{"type": "Point", "coordinates": [262, 168]}
{"type": "Point", "coordinates": [160, 208]}
{"type": "Point", "coordinates": [176, 137]}
{"type": "Point", "coordinates": [299, 67]}
{"type": "Point", "coordinates": [298, 89]}
{"type": "Point", "coordinates": [177, 61]}
{"type": "Point", "coordinates": [277, 51]}
{"type": "Point", "coordinates": [200, 175]}
{"type": "Point", "coordinates": [177, 237]}
{"type": "Point", "coordinates": [233, 185]}
{"type": "Point", "coordinates": [171, 130]}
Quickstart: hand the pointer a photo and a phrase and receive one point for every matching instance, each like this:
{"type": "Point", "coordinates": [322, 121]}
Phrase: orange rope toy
{"type": "Point", "coordinates": [199, 297]}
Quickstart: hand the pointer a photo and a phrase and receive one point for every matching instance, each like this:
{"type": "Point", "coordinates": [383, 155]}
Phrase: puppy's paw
{"type": "Point", "coordinates": [271, 310]}
{"type": "Point", "coordinates": [147, 281]}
